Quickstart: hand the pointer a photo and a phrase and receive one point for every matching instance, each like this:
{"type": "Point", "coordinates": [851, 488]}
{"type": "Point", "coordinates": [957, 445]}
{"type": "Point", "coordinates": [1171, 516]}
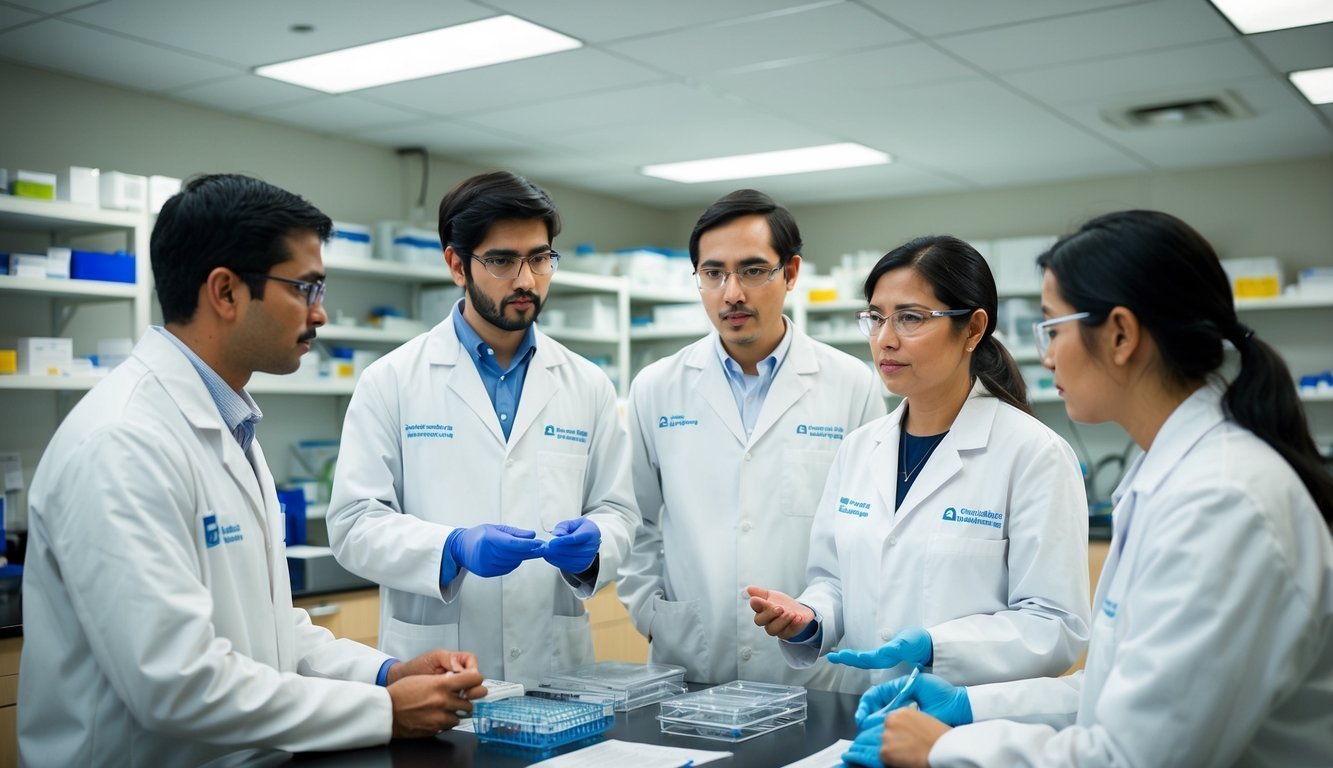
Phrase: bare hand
{"type": "Point", "coordinates": [909, 736]}
{"type": "Point", "coordinates": [424, 705]}
{"type": "Point", "coordinates": [435, 662]}
{"type": "Point", "coordinates": [778, 613]}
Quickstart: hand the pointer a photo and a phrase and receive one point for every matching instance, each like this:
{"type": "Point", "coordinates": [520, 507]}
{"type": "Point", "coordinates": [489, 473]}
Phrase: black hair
{"type": "Point", "coordinates": [784, 236]}
{"type": "Point", "coordinates": [224, 220]}
{"type": "Point", "coordinates": [1167, 274]}
{"type": "Point", "coordinates": [961, 279]}
{"type": "Point", "coordinates": [469, 209]}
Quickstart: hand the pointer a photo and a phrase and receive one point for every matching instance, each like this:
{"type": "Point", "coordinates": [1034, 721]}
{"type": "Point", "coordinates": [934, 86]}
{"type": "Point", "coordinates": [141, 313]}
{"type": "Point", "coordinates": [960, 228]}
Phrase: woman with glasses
{"type": "Point", "coordinates": [952, 533]}
{"type": "Point", "coordinates": [1212, 643]}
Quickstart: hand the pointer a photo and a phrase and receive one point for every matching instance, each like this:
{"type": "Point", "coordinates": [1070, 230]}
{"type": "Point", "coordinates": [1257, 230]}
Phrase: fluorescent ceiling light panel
{"type": "Point", "coordinates": [1250, 16]}
{"type": "Point", "coordinates": [781, 163]}
{"type": "Point", "coordinates": [1315, 84]}
{"type": "Point", "coordinates": [465, 46]}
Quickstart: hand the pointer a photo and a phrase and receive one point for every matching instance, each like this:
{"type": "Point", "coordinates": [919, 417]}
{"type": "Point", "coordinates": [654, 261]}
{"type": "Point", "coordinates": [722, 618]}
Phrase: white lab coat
{"type": "Point", "coordinates": [733, 511]}
{"type": "Point", "coordinates": [422, 453]}
{"type": "Point", "coordinates": [143, 644]}
{"type": "Point", "coordinates": [1213, 638]}
{"type": "Point", "coordinates": [989, 551]}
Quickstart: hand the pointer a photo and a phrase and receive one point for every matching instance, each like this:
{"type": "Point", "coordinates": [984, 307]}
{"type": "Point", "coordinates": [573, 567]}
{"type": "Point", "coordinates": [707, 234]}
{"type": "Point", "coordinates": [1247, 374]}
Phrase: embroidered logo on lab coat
{"type": "Point", "coordinates": [850, 506]}
{"type": "Point", "coordinates": [212, 534]}
{"type": "Point", "coordinates": [437, 431]}
{"type": "Point", "coordinates": [984, 517]}
{"type": "Point", "coordinates": [668, 422]}
{"type": "Point", "coordinates": [830, 432]}
{"type": "Point", "coordinates": [563, 433]}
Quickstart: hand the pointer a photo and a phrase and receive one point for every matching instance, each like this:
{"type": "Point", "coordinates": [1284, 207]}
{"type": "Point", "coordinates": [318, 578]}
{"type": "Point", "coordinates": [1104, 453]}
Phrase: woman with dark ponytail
{"type": "Point", "coordinates": [952, 533]}
{"type": "Point", "coordinates": [1212, 643]}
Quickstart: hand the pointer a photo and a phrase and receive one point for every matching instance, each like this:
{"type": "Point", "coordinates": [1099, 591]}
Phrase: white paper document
{"type": "Point", "coordinates": [828, 757]}
{"type": "Point", "coordinates": [618, 754]}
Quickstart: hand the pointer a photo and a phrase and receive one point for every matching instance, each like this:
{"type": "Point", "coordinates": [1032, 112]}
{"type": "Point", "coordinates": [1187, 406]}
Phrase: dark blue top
{"type": "Point", "coordinates": [913, 453]}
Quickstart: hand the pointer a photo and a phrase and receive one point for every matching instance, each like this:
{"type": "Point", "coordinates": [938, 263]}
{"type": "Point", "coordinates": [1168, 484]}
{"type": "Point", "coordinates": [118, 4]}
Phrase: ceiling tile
{"type": "Point", "coordinates": [337, 114]}
{"type": "Point", "coordinates": [1135, 79]}
{"type": "Point", "coordinates": [13, 17]}
{"type": "Point", "coordinates": [588, 20]}
{"type": "Point", "coordinates": [821, 31]}
{"type": "Point", "coordinates": [447, 137]}
{"type": "Point", "coordinates": [65, 47]}
{"type": "Point", "coordinates": [254, 32]}
{"type": "Point", "coordinates": [1112, 32]}
{"type": "Point", "coordinates": [51, 7]}
{"type": "Point", "coordinates": [515, 83]}
{"type": "Point", "coordinates": [243, 93]}
{"type": "Point", "coordinates": [942, 17]}
{"type": "Point", "coordinates": [685, 137]}
{"type": "Point", "coordinates": [1293, 49]}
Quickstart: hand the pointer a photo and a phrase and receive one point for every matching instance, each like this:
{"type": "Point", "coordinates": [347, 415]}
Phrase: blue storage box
{"type": "Point", "coordinates": [115, 267]}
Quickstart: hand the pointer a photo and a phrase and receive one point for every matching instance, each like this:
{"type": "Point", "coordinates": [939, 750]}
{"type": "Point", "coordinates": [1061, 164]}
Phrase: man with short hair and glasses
{"type": "Point", "coordinates": [733, 437]}
{"type": "Point", "coordinates": [483, 478]}
{"type": "Point", "coordinates": [157, 613]}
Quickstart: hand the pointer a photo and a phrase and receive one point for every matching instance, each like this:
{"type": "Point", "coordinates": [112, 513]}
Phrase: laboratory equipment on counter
{"type": "Point", "coordinates": [629, 686]}
{"type": "Point", "coordinates": [736, 711]}
{"type": "Point", "coordinates": [535, 723]}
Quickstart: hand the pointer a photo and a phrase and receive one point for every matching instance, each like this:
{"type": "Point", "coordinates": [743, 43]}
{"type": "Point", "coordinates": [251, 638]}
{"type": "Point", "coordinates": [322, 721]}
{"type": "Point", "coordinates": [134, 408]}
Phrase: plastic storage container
{"type": "Point", "coordinates": [736, 711]}
{"type": "Point", "coordinates": [628, 686]}
{"type": "Point", "coordinates": [534, 723]}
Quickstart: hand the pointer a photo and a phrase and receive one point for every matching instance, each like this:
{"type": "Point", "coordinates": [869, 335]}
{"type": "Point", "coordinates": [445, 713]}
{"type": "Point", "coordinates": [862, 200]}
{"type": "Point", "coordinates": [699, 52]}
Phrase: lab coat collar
{"type": "Point", "coordinates": [971, 430]}
{"type": "Point", "coordinates": [711, 383]}
{"type": "Point", "coordinates": [444, 348]}
{"type": "Point", "coordinates": [790, 384]}
{"type": "Point", "coordinates": [1186, 426]}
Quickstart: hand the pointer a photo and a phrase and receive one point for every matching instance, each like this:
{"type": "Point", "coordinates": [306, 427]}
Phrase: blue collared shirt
{"type": "Point", "coordinates": [505, 387]}
{"type": "Point", "coordinates": [239, 411]}
{"type": "Point", "coordinates": [751, 391]}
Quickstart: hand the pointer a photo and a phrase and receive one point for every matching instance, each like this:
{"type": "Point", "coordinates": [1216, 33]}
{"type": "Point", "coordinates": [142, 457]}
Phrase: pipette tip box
{"type": "Point", "coordinates": [541, 724]}
{"type": "Point", "coordinates": [737, 711]}
{"type": "Point", "coordinates": [629, 686]}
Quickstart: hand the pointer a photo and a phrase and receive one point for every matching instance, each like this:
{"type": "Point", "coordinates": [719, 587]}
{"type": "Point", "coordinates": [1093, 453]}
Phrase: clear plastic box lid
{"type": "Point", "coordinates": [629, 685]}
{"type": "Point", "coordinates": [526, 721]}
{"type": "Point", "coordinates": [734, 705]}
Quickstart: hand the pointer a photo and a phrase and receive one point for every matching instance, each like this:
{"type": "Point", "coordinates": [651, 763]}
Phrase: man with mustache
{"type": "Point", "coordinates": [733, 437]}
{"type": "Point", "coordinates": [157, 610]}
{"type": "Point", "coordinates": [479, 445]}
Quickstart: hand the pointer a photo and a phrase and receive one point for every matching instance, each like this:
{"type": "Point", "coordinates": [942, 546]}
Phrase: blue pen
{"type": "Point", "coordinates": [887, 708]}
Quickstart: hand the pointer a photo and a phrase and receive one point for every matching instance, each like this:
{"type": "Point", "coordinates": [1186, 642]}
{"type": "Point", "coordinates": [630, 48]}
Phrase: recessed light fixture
{"type": "Point", "coordinates": [451, 49]}
{"type": "Point", "coordinates": [787, 161]}
{"type": "Point", "coordinates": [1250, 16]}
{"type": "Point", "coordinates": [1315, 84]}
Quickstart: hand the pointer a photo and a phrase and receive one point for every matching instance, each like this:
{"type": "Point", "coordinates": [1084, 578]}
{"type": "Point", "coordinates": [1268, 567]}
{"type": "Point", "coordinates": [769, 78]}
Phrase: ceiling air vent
{"type": "Point", "coordinates": [1213, 108]}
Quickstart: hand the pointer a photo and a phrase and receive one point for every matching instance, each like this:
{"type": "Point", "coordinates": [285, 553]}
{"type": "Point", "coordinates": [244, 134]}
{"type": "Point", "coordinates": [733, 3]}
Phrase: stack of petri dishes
{"type": "Point", "coordinates": [736, 711]}
{"type": "Point", "coordinates": [627, 686]}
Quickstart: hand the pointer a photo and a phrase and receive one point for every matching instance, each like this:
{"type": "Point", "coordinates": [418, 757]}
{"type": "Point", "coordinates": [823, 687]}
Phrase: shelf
{"type": "Point", "coordinates": [1317, 397]}
{"type": "Point", "coordinates": [841, 339]}
{"type": "Point", "coordinates": [19, 382]}
{"type": "Point", "coordinates": [661, 334]}
{"type": "Point", "coordinates": [1051, 396]}
{"type": "Point", "coordinates": [587, 282]}
{"type": "Point", "coordinates": [393, 271]}
{"type": "Point", "coordinates": [582, 335]}
{"type": "Point", "coordinates": [82, 290]}
{"type": "Point", "coordinates": [1284, 302]}
{"type": "Point", "coordinates": [639, 294]}
{"type": "Point", "coordinates": [844, 305]}
{"type": "Point", "coordinates": [21, 213]}
{"type": "Point", "coordinates": [269, 384]}
{"type": "Point", "coordinates": [363, 335]}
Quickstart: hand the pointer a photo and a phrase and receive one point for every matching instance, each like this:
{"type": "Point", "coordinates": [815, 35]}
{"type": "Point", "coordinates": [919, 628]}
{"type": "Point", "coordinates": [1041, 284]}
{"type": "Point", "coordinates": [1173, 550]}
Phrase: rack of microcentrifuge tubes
{"type": "Point", "coordinates": [540, 724]}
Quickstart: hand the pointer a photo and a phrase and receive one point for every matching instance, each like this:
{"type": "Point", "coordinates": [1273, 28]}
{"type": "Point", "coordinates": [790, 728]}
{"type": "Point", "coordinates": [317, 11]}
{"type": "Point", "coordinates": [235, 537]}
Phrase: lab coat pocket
{"type": "Point", "coordinates": [803, 476]}
{"type": "Point", "coordinates": [405, 641]}
{"type": "Point", "coordinates": [677, 635]}
{"type": "Point", "coordinates": [560, 493]}
{"type": "Point", "coordinates": [572, 642]}
{"type": "Point", "coordinates": [970, 577]}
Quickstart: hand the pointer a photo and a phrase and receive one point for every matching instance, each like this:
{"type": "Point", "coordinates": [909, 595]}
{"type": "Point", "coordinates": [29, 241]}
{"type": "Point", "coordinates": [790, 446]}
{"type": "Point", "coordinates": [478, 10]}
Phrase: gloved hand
{"type": "Point", "coordinates": [492, 550]}
{"type": "Point", "coordinates": [573, 545]}
{"type": "Point", "coordinates": [911, 645]}
{"type": "Point", "coordinates": [933, 695]}
{"type": "Point", "coordinates": [864, 750]}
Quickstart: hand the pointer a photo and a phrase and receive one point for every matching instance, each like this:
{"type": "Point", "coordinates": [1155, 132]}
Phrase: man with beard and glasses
{"type": "Point", "coordinates": [733, 438]}
{"type": "Point", "coordinates": [480, 445]}
{"type": "Point", "coordinates": [157, 611]}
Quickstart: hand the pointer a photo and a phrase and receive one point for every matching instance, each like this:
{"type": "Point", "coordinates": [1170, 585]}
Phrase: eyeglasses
{"type": "Point", "coordinates": [312, 291]}
{"type": "Point", "coordinates": [1044, 332]}
{"type": "Point", "coordinates": [905, 322]}
{"type": "Point", "coordinates": [508, 267]}
{"type": "Point", "coordinates": [711, 279]}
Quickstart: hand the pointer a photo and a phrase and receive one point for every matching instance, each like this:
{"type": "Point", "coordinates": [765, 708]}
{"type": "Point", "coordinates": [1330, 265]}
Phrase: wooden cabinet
{"type": "Point", "coordinates": [10, 649]}
{"type": "Point", "coordinates": [614, 637]}
{"type": "Point", "coordinates": [354, 615]}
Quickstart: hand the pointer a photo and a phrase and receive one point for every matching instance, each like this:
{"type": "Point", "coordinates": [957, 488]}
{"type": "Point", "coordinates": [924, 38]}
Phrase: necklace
{"type": "Point", "coordinates": [935, 441]}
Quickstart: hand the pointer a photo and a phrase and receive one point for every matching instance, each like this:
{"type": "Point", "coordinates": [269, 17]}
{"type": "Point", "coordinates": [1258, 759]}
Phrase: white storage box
{"type": "Point", "coordinates": [1013, 260]}
{"type": "Point", "coordinates": [124, 191]}
{"type": "Point", "coordinates": [160, 189]}
{"type": "Point", "coordinates": [349, 241]}
{"type": "Point", "coordinates": [680, 317]}
{"type": "Point", "coordinates": [1254, 278]}
{"type": "Point", "coordinates": [79, 185]}
{"type": "Point", "coordinates": [590, 313]}
{"type": "Point", "coordinates": [45, 356]}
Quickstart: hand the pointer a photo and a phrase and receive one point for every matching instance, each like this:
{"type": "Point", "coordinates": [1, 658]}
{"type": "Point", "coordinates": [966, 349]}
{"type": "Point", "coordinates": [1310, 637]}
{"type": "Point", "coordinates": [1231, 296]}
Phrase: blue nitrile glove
{"type": "Point", "coordinates": [864, 750]}
{"type": "Point", "coordinates": [573, 545]}
{"type": "Point", "coordinates": [933, 695]}
{"type": "Point", "coordinates": [912, 645]}
{"type": "Point", "coordinates": [492, 550]}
